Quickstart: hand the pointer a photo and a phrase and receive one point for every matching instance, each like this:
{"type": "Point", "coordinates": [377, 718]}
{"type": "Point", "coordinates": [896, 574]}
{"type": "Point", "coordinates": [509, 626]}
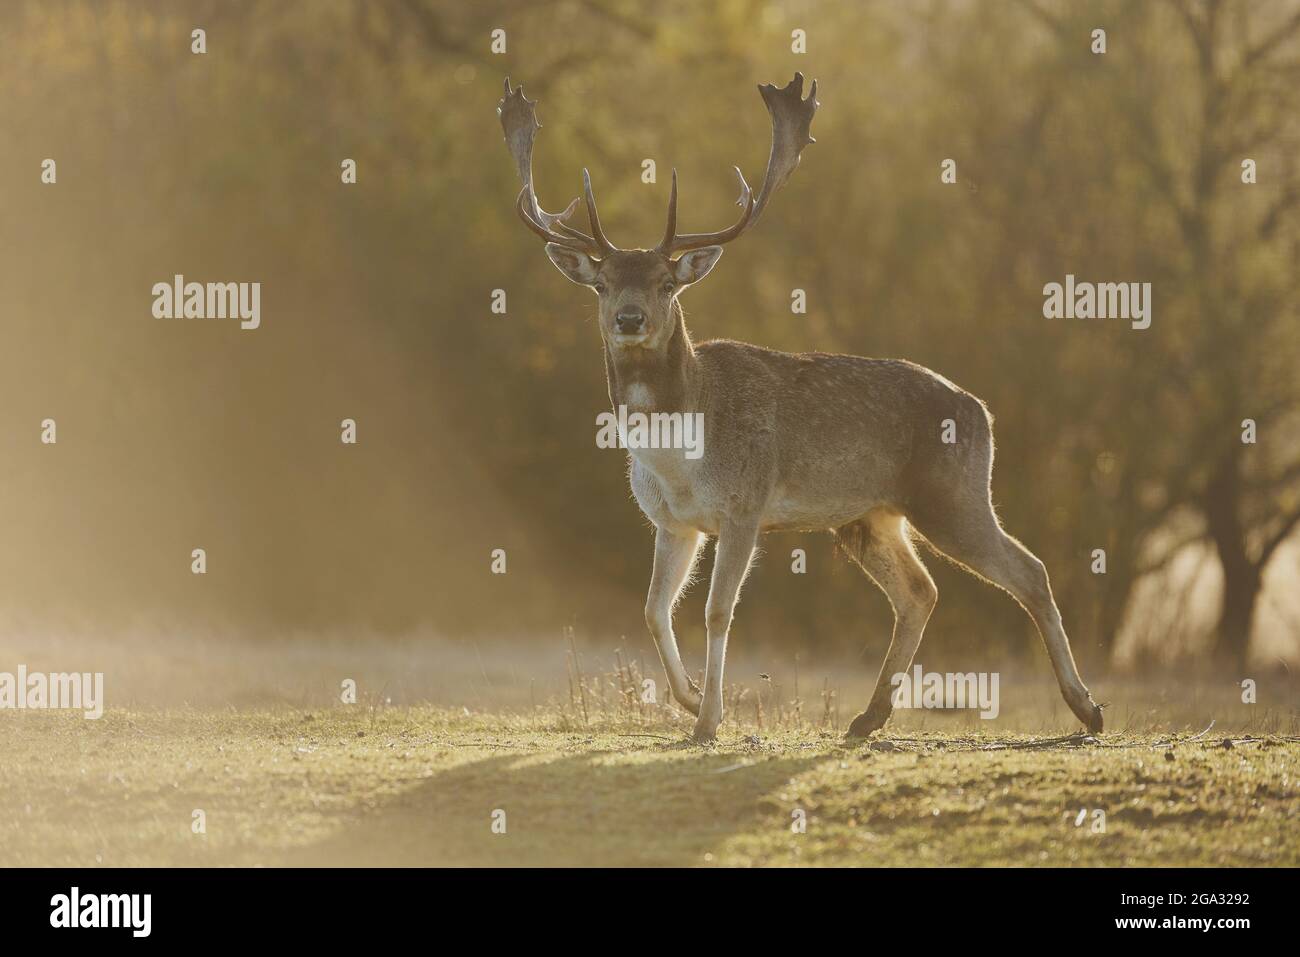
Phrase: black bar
{"type": "Point", "coordinates": [303, 907]}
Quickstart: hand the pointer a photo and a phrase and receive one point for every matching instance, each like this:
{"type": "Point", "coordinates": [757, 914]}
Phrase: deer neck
{"type": "Point", "coordinates": [650, 381]}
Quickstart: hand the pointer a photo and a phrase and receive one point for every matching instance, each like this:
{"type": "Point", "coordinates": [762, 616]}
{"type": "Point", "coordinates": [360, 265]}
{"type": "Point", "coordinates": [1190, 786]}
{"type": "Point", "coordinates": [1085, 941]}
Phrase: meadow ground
{"type": "Point", "coordinates": [588, 774]}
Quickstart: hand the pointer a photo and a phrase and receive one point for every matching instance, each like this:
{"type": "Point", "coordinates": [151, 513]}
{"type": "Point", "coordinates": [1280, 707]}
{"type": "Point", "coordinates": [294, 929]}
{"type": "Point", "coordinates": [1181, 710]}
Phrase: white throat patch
{"type": "Point", "coordinates": [639, 396]}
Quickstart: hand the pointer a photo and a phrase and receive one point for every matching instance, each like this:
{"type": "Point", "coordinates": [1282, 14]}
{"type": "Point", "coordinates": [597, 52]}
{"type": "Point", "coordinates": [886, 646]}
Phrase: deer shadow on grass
{"type": "Point", "coordinates": [593, 809]}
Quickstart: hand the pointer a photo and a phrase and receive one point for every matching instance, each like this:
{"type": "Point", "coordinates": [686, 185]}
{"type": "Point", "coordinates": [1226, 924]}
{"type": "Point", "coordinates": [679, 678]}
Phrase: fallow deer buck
{"type": "Point", "coordinates": [792, 442]}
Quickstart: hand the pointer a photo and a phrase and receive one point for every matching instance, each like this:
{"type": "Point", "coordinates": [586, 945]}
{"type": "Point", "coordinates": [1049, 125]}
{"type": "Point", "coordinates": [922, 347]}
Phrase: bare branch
{"type": "Point", "coordinates": [1280, 535]}
{"type": "Point", "coordinates": [1282, 205]}
{"type": "Point", "coordinates": [1050, 20]}
{"type": "Point", "coordinates": [1282, 478]}
{"type": "Point", "coordinates": [1261, 50]}
{"type": "Point", "coordinates": [1170, 553]}
{"type": "Point", "coordinates": [642, 29]}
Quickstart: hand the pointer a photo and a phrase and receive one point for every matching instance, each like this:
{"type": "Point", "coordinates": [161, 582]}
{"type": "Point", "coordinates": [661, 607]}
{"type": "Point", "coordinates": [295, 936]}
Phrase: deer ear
{"type": "Point", "coordinates": [575, 264]}
{"type": "Point", "coordinates": [695, 265]}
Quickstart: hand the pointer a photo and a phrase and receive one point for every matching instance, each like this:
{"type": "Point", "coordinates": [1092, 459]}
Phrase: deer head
{"type": "Point", "coordinates": [637, 287]}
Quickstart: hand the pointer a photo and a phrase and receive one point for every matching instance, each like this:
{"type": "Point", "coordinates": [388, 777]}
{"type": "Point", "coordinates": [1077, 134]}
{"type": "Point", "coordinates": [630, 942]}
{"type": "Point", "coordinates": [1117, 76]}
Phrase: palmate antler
{"type": "Point", "coordinates": [791, 119]}
{"type": "Point", "coordinates": [519, 121]}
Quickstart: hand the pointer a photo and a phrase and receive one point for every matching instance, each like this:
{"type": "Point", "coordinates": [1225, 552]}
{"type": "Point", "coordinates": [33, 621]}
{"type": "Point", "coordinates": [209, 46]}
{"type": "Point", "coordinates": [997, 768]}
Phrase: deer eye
{"type": "Point", "coordinates": [599, 287]}
{"type": "Point", "coordinates": [669, 285]}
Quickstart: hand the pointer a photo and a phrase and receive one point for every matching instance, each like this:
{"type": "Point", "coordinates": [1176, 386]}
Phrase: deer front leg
{"type": "Point", "coordinates": [674, 561]}
{"type": "Point", "coordinates": [730, 566]}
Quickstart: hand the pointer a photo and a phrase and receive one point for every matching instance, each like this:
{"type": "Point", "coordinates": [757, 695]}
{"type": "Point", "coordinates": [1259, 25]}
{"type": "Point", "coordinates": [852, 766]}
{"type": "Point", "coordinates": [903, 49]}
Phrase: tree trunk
{"type": "Point", "coordinates": [1242, 578]}
{"type": "Point", "coordinates": [1240, 596]}
{"type": "Point", "coordinates": [1121, 574]}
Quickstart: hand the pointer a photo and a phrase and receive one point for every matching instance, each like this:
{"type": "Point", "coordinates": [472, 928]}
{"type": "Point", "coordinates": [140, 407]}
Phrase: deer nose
{"type": "Point", "coordinates": [630, 321]}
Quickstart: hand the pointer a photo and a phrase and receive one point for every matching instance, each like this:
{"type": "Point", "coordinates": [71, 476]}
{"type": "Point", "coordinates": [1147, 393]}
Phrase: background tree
{"type": "Point", "coordinates": [476, 430]}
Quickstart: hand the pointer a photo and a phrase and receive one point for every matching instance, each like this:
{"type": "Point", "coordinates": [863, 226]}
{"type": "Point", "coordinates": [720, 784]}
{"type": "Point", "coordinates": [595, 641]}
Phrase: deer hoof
{"type": "Point", "coordinates": [1087, 711]}
{"type": "Point", "coordinates": [705, 732]}
{"type": "Point", "coordinates": [867, 724]}
{"type": "Point", "coordinates": [1094, 719]}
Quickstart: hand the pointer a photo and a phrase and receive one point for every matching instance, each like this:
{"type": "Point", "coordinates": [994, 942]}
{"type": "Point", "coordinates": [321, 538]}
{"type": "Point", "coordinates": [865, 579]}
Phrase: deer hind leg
{"type": "Point", "coordinates": [887, 555]}
{"type": "Point", "coordinates": [674, 561]}
{"type": "Point", "coordinates": [973, 537]}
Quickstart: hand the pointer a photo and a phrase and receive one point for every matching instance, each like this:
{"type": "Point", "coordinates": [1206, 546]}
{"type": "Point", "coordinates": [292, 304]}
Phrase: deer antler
{"type": "Point", "coordinates": [519, 122]}
{"type": "Point", "coordinates": [791, 119]}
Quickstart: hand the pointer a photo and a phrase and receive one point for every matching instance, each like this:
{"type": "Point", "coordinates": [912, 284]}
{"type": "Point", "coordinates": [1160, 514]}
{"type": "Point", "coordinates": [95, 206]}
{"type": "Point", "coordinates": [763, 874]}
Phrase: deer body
{"type": "Point", "coordinates": [822, 439]}
{"type": "Point", "coordinates": [791, 441]}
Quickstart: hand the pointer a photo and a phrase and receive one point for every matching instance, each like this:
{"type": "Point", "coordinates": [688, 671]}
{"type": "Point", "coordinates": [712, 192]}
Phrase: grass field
{"type": "Point", "coordinates": [587, 774]}
{"type": "Point", "coordinates": [419, 786]}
